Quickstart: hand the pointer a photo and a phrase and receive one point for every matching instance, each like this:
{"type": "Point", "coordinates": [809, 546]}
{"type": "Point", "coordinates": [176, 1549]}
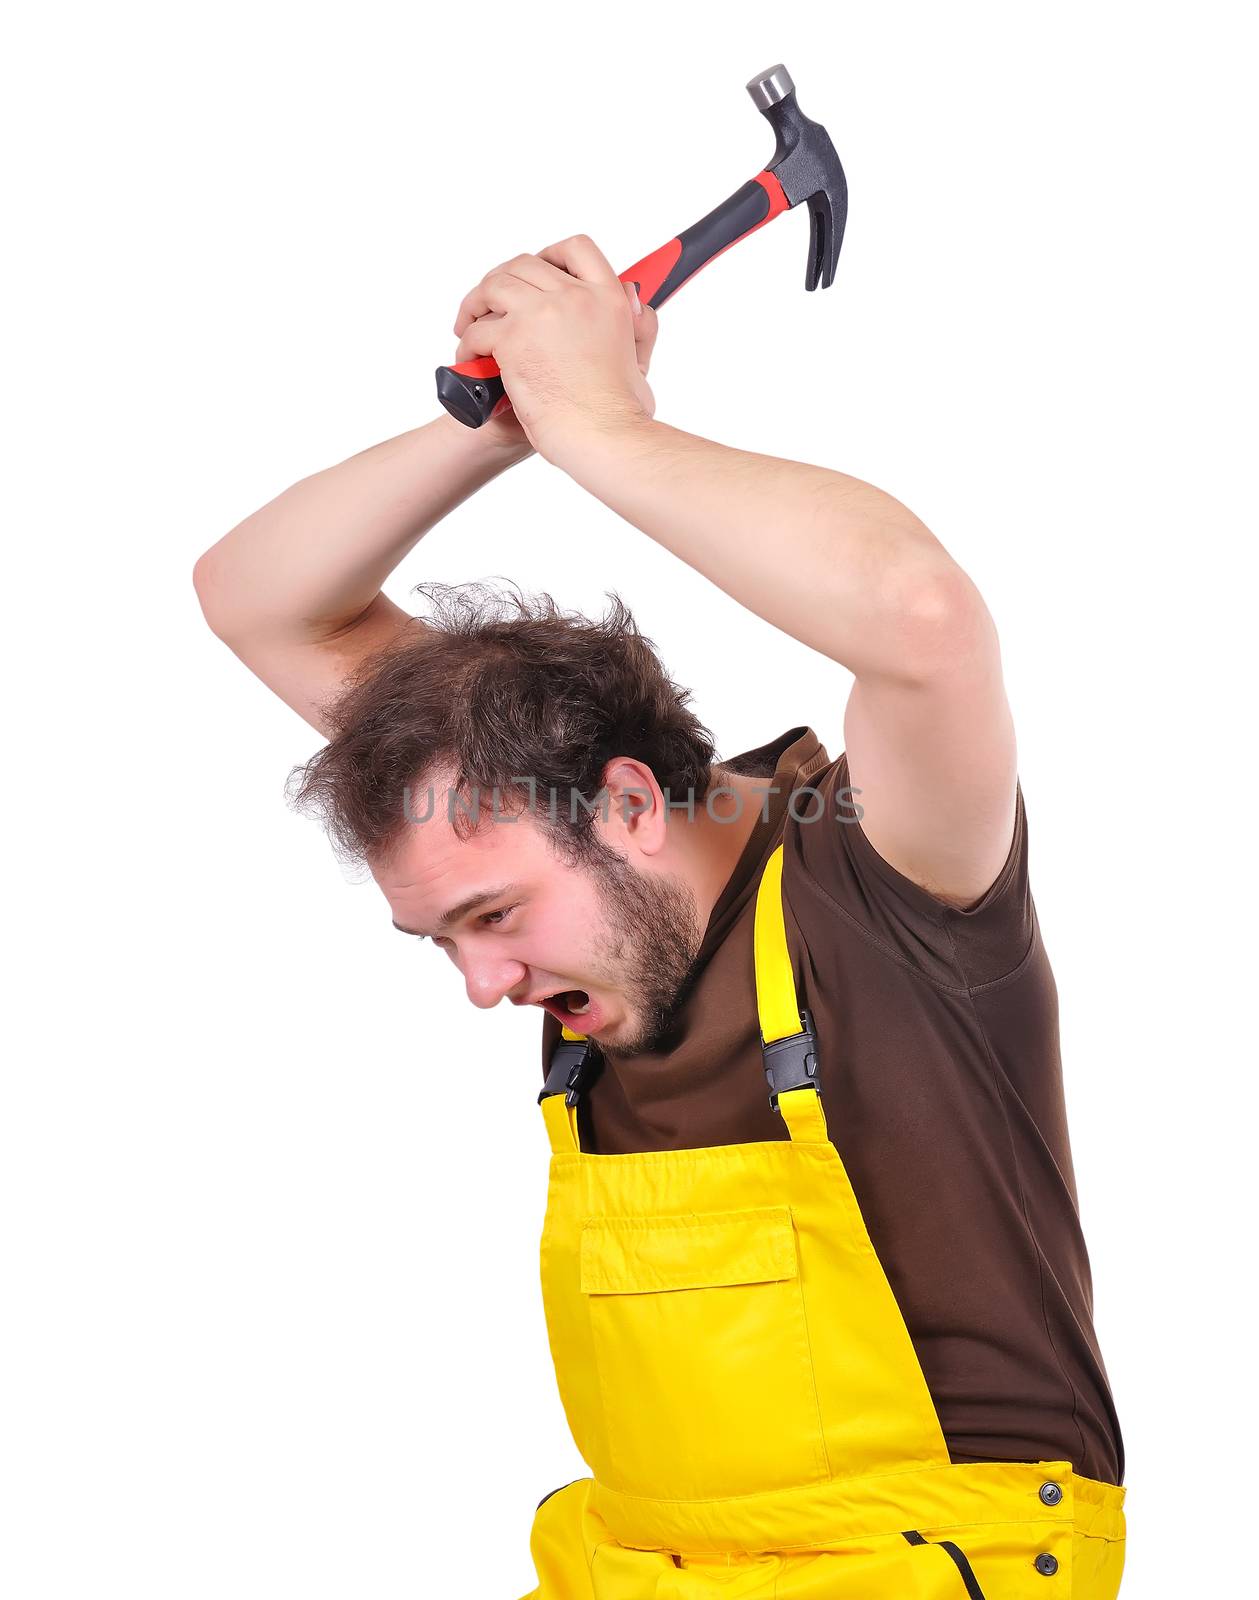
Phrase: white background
{"type": "Point", "coordinates": [271, 1322]}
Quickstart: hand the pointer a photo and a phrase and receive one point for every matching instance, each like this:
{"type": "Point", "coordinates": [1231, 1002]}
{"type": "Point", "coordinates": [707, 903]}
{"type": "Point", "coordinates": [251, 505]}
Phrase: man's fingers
{"type": "Point", "coordinates": [533, 269]}
{"type": "Point", "coordinates": [646, 326]}
{"type": "Point", "coordinates": [509, 287]}
{"type": "Point", "coordinates": [498, 291]}
{"type": "Point", "coordinates": [581, 257]}
{"type": "Point", "coordinates": [480, 338]}
{"type": "Point", "coordinates": [523, 270]}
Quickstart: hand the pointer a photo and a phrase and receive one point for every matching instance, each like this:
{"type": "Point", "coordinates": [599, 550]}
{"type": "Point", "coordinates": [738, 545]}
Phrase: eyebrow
{"type": "Point", "coordinates": [459, 912]}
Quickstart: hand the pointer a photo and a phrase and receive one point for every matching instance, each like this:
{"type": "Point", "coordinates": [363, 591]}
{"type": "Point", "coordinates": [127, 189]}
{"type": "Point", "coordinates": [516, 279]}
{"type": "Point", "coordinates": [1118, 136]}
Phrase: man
{"type": "Point", "coordinates": [868, 1375]}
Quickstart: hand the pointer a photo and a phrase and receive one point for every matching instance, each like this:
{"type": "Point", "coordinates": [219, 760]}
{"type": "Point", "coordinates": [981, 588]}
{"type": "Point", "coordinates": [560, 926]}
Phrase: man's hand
{"type": "Point", "coordinates": [570, 339]}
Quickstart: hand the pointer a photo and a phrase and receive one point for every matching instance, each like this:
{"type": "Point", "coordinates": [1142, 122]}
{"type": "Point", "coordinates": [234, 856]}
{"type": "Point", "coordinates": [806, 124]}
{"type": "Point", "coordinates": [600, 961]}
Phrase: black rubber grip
{"type": "Point", "coordinates": [742, 211]}
{"type": "Point", "coordinates": [469, 400]}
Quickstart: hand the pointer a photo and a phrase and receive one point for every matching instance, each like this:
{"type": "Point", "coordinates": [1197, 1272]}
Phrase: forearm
{"type": "Point", "coordinates": [831, 560]}
{"type": "Point", "coordinates": [313, 559]}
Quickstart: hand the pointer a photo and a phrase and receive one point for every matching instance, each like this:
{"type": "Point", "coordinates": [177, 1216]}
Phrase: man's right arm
{"type": "Point", "coordinates": [295, 589]}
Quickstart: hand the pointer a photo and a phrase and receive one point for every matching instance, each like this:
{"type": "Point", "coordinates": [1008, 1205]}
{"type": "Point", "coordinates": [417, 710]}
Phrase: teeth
{"type": "Point", "coordinates": [578, 1011]}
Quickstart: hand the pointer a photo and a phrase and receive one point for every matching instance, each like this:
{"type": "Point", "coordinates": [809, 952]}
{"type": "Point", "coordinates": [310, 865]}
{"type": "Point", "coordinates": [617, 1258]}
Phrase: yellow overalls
{"type": "Point", "coordinates": [739, 1379]}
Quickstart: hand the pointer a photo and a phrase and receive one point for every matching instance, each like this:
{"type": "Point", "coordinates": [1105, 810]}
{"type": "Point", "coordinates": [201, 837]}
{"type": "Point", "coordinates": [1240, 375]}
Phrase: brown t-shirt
{"type": "Point", "coordinates": [941, 1079]}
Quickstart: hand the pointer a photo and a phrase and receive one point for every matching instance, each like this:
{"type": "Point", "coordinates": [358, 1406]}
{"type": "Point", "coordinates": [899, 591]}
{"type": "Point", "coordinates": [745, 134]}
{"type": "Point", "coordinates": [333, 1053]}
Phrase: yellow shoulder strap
{"type": "Point", "coordinates": [561, 1124]}
{"type": "Point", "coordinates": [776, 1000]}
{"type": "Point", "coordinates": [775, 986]}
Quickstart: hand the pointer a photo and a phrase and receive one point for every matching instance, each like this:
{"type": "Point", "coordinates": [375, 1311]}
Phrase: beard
{"type": "Point", "coordinates": [648, 942]}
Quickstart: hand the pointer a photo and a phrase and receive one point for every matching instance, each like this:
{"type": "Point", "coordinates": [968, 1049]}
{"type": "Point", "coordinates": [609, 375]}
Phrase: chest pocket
{"type": "Point", "coordinates": [698, 1328]}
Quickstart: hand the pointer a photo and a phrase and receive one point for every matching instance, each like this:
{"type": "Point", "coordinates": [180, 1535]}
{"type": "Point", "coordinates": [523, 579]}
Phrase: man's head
{"type": "Point", "coordinates": [505, 771]}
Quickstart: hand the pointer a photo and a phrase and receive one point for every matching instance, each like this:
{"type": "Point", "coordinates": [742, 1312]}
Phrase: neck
{"type": "Point", "coordinates": [716, 839]}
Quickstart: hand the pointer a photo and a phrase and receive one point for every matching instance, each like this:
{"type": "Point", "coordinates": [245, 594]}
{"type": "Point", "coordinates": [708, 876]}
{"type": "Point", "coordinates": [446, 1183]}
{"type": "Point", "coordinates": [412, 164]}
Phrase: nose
{"type": "Point", "coordinates": [489, 978]}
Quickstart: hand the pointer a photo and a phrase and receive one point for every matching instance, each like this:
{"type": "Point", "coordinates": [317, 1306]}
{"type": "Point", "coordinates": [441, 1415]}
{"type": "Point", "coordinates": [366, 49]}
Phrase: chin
{"type": "Point", "coordinates": [629, 1039]}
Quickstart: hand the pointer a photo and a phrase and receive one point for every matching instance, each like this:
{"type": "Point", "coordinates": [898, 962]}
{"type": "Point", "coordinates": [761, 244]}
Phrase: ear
{"type": "Point", "coordinates": [634, 805]}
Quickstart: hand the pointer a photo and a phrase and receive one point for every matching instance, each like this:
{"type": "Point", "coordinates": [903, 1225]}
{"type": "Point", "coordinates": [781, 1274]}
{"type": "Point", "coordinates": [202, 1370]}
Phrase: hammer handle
{"type": "Point", "coordinates": [473, 390]}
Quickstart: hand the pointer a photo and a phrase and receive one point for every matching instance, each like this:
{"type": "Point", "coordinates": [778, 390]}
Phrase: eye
{"type": "Point", "coordinates": [495, 919]}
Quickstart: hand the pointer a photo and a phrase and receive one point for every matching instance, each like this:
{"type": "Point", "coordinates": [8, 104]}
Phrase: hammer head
{"type": "Point", "coordinates": [808, 169]}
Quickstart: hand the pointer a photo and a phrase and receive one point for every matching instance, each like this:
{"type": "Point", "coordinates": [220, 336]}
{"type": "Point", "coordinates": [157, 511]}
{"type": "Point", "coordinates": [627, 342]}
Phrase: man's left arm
{"type": "Point", "coordinates": [835, 562]}
{"type": "Point", "coordinates": [848, 570]}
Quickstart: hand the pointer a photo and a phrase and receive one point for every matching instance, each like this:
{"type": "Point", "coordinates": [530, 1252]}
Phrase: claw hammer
{"type": "Point", "coordinates": [804, 167]}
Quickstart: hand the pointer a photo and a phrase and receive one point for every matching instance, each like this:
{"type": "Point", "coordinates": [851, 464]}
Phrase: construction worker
{"type": "Point", "coordinates": [814, 1278]}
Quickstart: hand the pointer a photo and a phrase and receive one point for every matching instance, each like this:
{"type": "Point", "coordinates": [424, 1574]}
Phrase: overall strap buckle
{"type": "Point", "coordinates": [791, 1063]}
{"type": "Point", "coordinates": [573, 1063]}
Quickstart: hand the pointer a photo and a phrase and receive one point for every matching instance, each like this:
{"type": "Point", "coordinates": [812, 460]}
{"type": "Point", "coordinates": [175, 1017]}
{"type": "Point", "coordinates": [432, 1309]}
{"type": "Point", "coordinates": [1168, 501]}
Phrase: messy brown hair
{"type": "Point", "coordinates": [493, 688]}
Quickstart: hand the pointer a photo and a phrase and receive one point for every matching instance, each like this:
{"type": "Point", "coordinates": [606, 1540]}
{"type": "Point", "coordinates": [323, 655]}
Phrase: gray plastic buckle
{"type": "Point", "coordinates": [791, 1063]}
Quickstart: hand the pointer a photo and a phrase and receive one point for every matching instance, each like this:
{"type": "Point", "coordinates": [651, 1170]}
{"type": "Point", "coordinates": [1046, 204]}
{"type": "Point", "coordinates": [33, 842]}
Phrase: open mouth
{"type": "Point", "coordinates": [572, 1007]}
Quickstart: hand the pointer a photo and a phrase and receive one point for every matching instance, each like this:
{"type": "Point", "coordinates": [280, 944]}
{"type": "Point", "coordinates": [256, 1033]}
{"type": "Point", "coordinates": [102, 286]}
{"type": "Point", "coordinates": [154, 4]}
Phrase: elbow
{"type": "Point", "coordinates": [207, 583]}
{"type": "Point", "coordinates": [942, 627]}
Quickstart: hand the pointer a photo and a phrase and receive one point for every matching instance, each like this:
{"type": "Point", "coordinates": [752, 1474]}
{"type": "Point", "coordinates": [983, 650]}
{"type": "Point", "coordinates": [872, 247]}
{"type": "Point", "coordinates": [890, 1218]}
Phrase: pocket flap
{"type": "Point", "coordinates": [632, 1255]}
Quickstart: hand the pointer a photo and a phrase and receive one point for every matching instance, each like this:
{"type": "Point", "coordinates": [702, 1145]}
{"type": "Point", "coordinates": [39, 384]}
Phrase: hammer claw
{"type": "Point", "coordinates": [809, 170]}
{"type": "Point", "coordinates": [823, 243]}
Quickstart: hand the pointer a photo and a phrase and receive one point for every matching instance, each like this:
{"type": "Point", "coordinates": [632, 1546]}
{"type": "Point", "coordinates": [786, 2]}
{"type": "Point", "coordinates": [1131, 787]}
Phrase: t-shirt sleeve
{"type": "Point", "coordinates": [967, 948]}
